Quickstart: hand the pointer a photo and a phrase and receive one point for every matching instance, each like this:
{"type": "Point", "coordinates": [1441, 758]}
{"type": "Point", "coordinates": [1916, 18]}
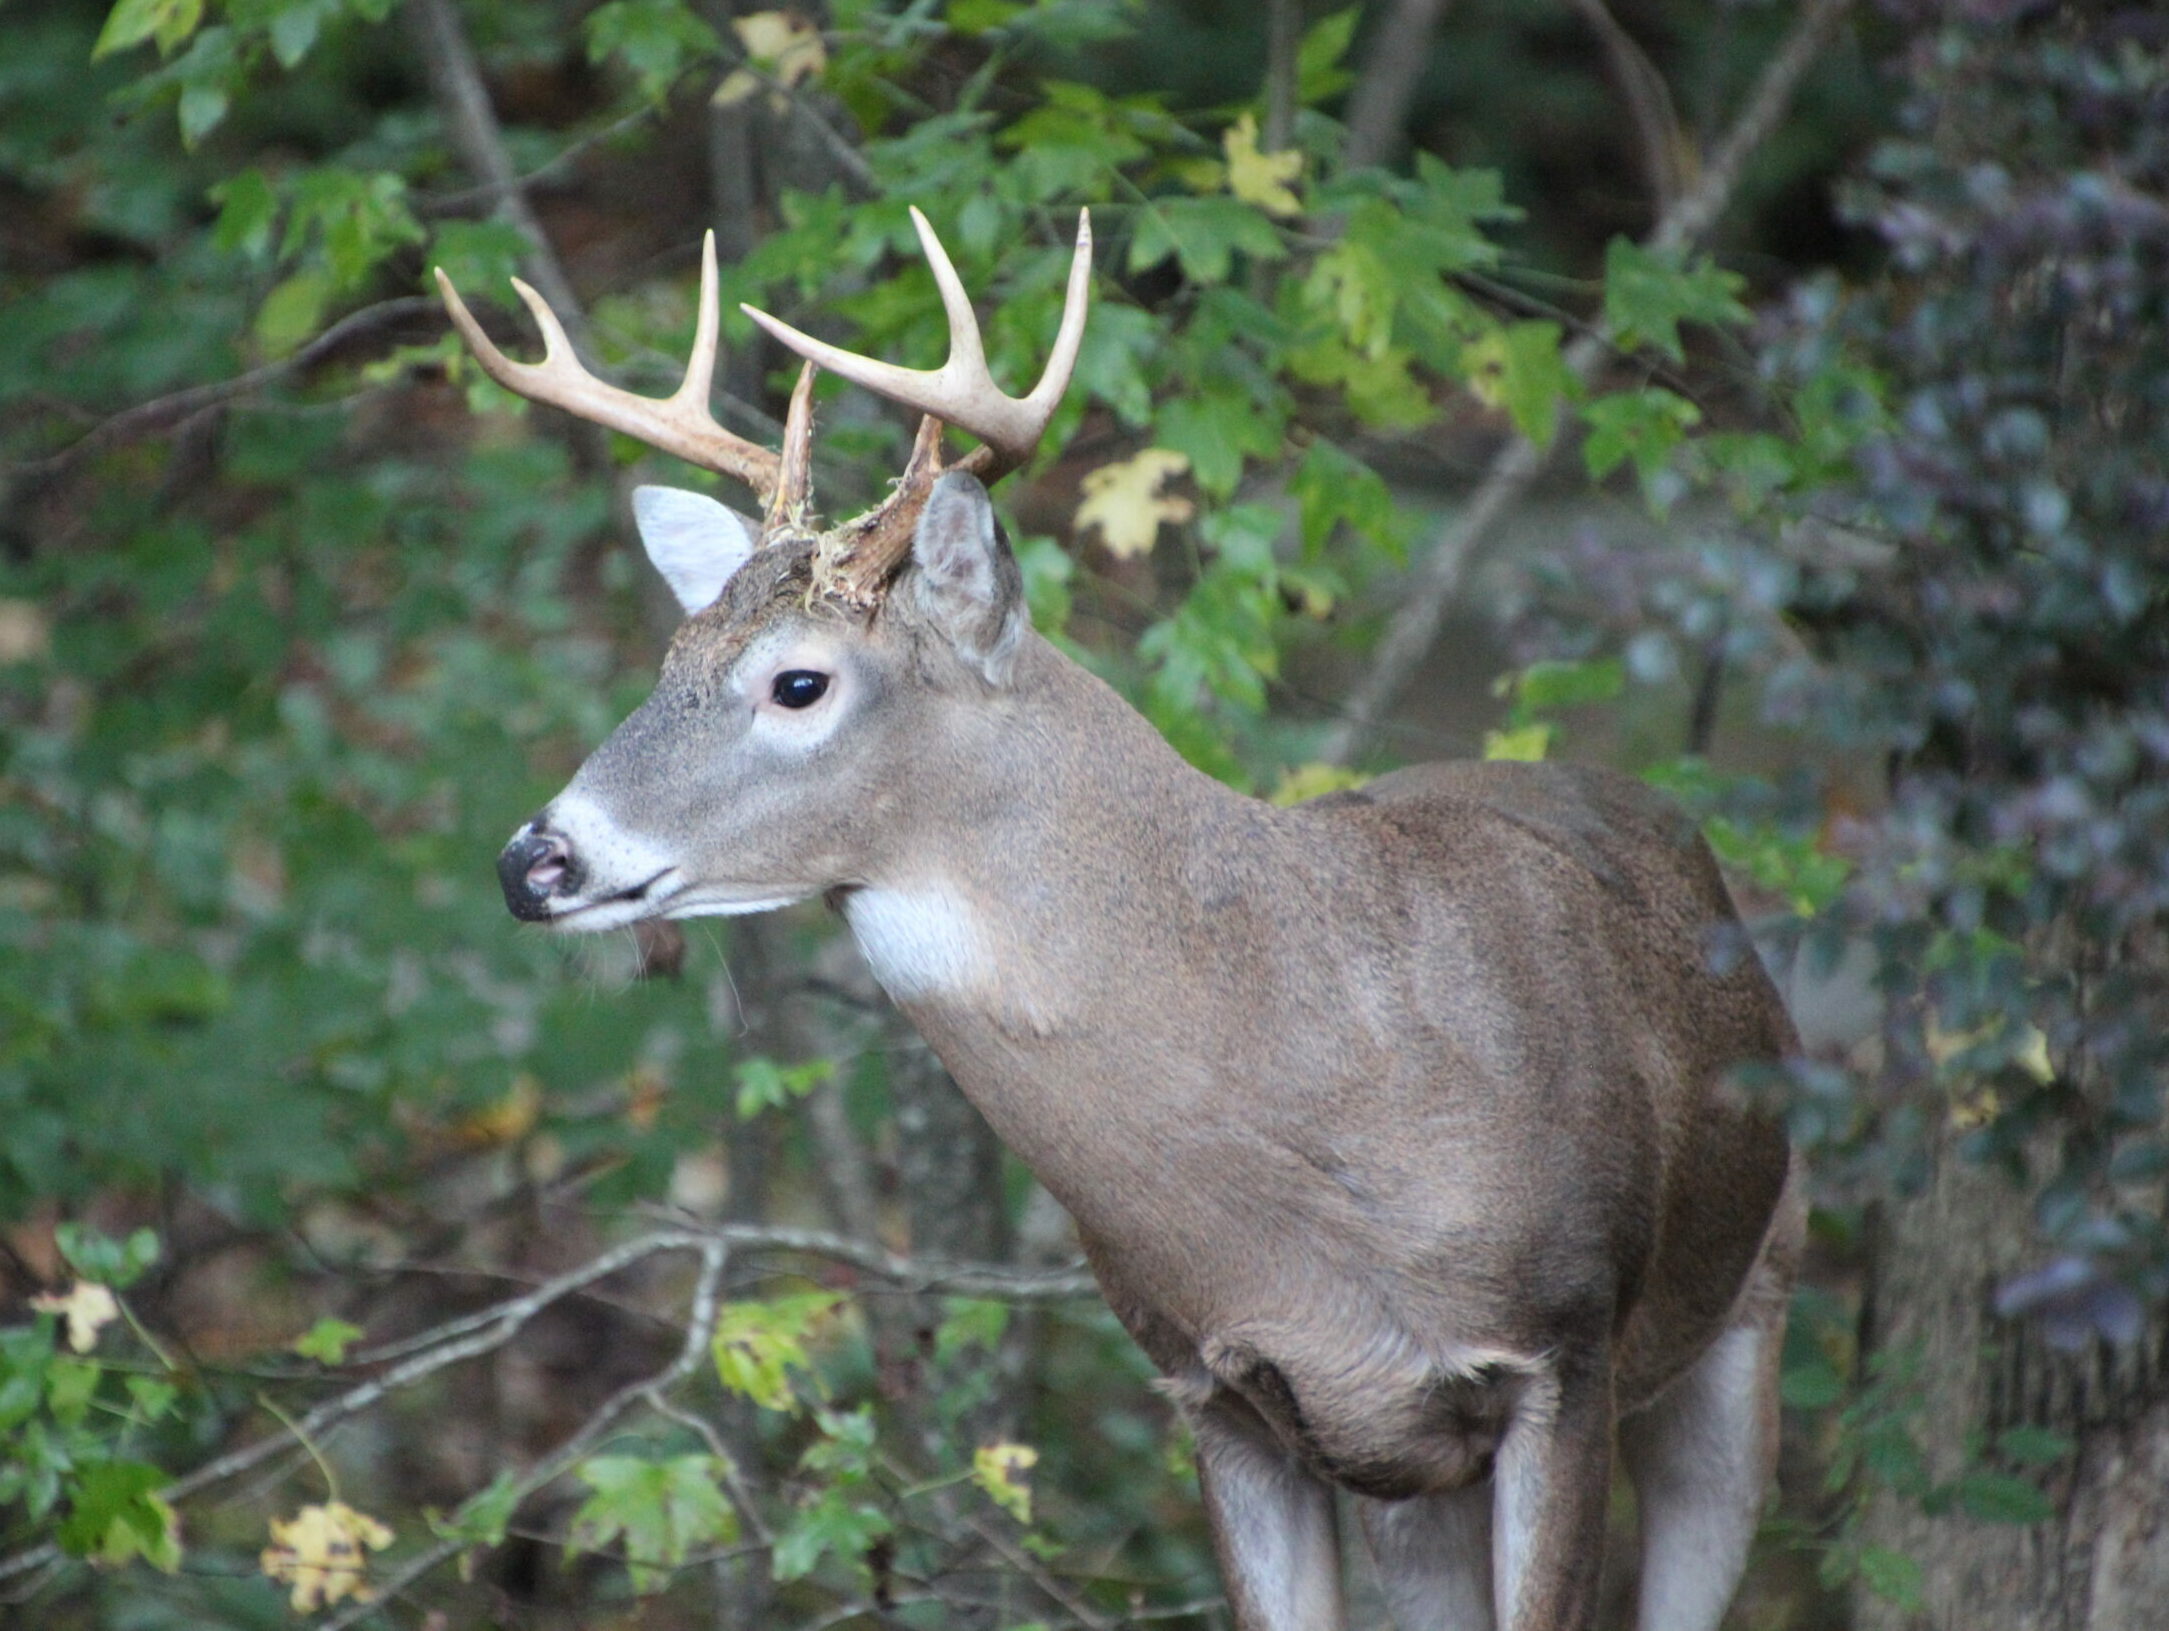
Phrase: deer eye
{"type": "Point", "coordinates": [799, 688]}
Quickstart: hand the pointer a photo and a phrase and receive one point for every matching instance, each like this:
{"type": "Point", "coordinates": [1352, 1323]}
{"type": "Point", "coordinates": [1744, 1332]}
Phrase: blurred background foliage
{"type": "Point", "coordinates": [1769, 398]}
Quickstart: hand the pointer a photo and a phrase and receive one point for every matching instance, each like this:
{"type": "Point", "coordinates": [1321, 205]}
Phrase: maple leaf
{"type": "Point", "coordinates": [322, 1551]}
{"type": "Point", "coordinates": [1261, 178]}
{"type": "Point", "coordinates": [1124, 501]}
{"type": "Point", "coordinates": [1000, 1470]}
{"type": "Point", "coordinates": [787, 47]}
{"type": "Point", "coordinates": [89, 1308]}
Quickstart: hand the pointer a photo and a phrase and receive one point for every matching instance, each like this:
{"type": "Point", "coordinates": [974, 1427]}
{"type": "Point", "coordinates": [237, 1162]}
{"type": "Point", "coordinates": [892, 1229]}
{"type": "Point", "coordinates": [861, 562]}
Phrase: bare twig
{"type": "Point", "coordinates": [488, 1329]}
{"type": "Point", "coordinates": [1392, 63]}
{"type": "Point", "coordinates": [1036, 1572]}
{"type": "Point", "coordinates": [1283, 45]}
{"type": "Point", "coordinates": [1414, 625]}
{"type": "Point", "coordinates": [162, 412]}
{"type": "Point", "coordinates": [455, 79]}
{"type": "Point", "coordinates": [1649, 102]}
{"type": "Point", "coordinates": [699, 1328]}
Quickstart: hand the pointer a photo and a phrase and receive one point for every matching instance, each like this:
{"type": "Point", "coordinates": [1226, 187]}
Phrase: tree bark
{"type": "Point", "coordinates": [2102, 1564]}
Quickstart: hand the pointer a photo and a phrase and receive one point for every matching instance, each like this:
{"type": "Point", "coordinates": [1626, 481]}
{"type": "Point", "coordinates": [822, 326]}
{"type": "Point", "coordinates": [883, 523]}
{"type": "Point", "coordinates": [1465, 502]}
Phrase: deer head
{"type": "Point", "coordinates": [779, 696]}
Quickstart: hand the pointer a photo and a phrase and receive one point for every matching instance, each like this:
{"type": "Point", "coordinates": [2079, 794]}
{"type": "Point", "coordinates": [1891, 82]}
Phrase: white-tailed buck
{"type": "Point", "coordinates": [1396, 1125]}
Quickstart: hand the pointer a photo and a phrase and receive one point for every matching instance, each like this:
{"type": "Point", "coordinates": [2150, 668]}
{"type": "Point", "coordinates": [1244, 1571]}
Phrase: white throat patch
{"type": "Point", "coordinates": [919, 942]}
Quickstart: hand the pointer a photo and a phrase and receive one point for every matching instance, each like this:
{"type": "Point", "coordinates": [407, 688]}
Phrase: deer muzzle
{"type": "Point", "coordinates": [536, 867]}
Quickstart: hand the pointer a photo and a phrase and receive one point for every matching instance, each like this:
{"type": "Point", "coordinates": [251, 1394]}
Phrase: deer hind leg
{"type": "Point", "coordinates": [1272, 1524]}
{"type": "Point", "coordinates": [1434, 1557]}
{"type": "Point", "coordinates": [1700, 1456]}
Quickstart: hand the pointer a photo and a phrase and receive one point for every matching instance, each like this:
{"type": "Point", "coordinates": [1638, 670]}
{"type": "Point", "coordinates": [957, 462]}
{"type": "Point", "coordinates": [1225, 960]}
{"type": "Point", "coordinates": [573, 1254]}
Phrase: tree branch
{"type": "Point", "coordinates": [1414, 625]}
{"type": "Point", "coordinates": [484, 1331]}
{"type": "Point", "coordinates": [1283, 45]}
{"type": "Point", "coordinates": [1392, 64]}
{"type": "Point", "coordinates": [1649, 102]}
{"type": "Point", "coordinates": [463, 101]}
{"type": "Point", "coordinates": [161, 412]}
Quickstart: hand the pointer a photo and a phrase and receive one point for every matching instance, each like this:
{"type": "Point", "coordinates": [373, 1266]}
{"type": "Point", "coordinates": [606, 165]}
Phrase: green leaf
{"type": "Point", "coordinates": [476, 255]}
{"type": "Point", "coordinates": [662, 1511]}
{"type": "Point", "coordinates": [1519, 368]}
{"type": "Point", "coordinates": [327, 1341]}
{"type": "Point", "coordinates": [115, 1513]}
{"type": "Point", "coordinates": [1204, 235]}
{"type": "Point", "coordinates": [2033, 1446]}
{"type": "Point", "coordinates": [97, 1256]}
{"type": "Point", "coordinates": [969, 1322]}
{"type": "Point", "coordinates": [292, 312]}
{"type": "Point", "coordinates": [69, 1385]}
{"type": "Point", "coordinates": [2000, 1497]}
{"type": "Point", "coordinates": [758, 1344]}
{"type": "Point", "coordinates": [656, 39]}
{"type": "Point", "coordinates": [1333, 489]}
{"type": "Point", "coordinates": [834, 1521]}
{"type": "Point", "coordinates": [1557, 683]}
{"type": "Point", "coordinates": [765, 1085]}
{"type": "Point", "coordinates": [1813, 1385]}
{"type": "Point", "coordinates": [295, 27]}
{"type": "Point", "coordinates": [1892, 1576]}
{"type": "Point", "coordinates": [131, 22]}
{"type": "Point", "coordinates": [1217, 426]}
{"type": "Point", "coordinates": [1648, 294]}
{"type": "Point", "coordinates": [1318, 70]}
{"type": "Point", "coordinates": [202, 109]}
{"type": "Point", "coordinates": [248, 209]}
{"type": "Point", "coordinates": [1642, 426]}
{"type": "Point", "coordinates": [1526, 744]}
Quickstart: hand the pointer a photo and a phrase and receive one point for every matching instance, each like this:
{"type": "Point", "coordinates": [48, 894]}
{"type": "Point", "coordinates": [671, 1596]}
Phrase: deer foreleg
{"type": "Point", "coordinates": [1550, 1487]}
{"type": "Point", "coordinates": [1272, 1526]}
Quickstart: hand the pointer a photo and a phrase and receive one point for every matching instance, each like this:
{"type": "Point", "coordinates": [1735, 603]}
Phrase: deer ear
{"type": "Point", "coordinates": [967, 582]}
{"type": "Point", "coordinates": [694, 542]}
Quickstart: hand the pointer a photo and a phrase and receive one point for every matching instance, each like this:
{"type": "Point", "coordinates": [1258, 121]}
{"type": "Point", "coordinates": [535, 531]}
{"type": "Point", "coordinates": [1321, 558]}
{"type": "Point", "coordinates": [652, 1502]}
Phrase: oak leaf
{"type": "Point", "coordinates": [1124, 501]}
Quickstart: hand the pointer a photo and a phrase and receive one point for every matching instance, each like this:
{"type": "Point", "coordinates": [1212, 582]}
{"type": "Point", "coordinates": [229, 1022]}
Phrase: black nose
{"type": "Point", "coordinates": [533, 867]}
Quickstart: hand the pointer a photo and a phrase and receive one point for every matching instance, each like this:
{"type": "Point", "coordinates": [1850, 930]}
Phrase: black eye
{"type": "Point", "coordinates": [799, 688]}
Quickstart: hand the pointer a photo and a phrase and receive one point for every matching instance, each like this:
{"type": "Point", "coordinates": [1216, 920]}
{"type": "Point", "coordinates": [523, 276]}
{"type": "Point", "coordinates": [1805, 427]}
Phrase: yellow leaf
{"type": "Point", "coordinates": [88, 1307]}
{"type": "Point", "coordinates": [24, 633]}
{"type": "Point", "coordinates": [786, 47]}
{"type": "Point", "coordinates": [1124, 501]}
{"type": "Point", "coordinates": [1310, 781]}
{"type": "Point", "coordinates": [322, 1552]}
{"type": "Point", "coordinates": [1261, 178]}
{"type": "Point", "coordinates": [1000, 1470]}
{"type": "Point", "coordinates": [1527, 743]}
{"type": "Point", "coordinates": [507, 1121]}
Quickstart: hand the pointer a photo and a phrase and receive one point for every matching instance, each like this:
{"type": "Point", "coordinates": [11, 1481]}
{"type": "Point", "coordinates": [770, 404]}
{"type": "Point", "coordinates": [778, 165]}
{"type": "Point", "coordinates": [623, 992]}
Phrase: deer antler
{"type": "Point", "coordinates": [961, 391]}
{"type": "Point", "coordinates": [856, 560]}
{"type": "Point", "coordinates": [679, 423]}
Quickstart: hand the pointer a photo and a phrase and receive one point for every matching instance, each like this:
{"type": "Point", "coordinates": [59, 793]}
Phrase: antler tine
{"type": "Point", "coordinates": [680, 423]}
{"type": "Point", "coordinates": [962, 390]}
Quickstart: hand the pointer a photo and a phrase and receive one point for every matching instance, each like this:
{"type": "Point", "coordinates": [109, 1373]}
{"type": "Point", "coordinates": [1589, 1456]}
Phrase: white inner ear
{"type": "Point", "coordinates": [694, 542]}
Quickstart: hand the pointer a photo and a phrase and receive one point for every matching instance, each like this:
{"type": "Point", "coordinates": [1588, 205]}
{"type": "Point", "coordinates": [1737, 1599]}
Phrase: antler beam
{"type": "Point", "coordinates": [680, 423]}
{"type": "Point", "coordinates": [962, 391]}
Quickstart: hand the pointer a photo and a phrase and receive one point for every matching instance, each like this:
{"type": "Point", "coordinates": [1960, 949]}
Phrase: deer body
{"type": "Point", "coordinates": [1395, 1124]}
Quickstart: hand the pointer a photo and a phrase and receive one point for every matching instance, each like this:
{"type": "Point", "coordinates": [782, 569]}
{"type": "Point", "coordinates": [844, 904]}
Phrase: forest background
{"type": "Point", "coordinates": [1771, 398]}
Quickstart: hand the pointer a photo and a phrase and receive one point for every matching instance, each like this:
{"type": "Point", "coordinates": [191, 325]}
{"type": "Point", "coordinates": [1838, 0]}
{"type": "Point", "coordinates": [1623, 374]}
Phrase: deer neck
{"type": "Point", "coordinates": [1065, 832]}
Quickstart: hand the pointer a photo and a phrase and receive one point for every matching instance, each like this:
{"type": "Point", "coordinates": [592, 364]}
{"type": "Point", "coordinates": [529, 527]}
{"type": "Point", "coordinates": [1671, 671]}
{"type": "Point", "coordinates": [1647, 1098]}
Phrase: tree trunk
{"type": "Point", "coordinates": [2102, 1563]}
